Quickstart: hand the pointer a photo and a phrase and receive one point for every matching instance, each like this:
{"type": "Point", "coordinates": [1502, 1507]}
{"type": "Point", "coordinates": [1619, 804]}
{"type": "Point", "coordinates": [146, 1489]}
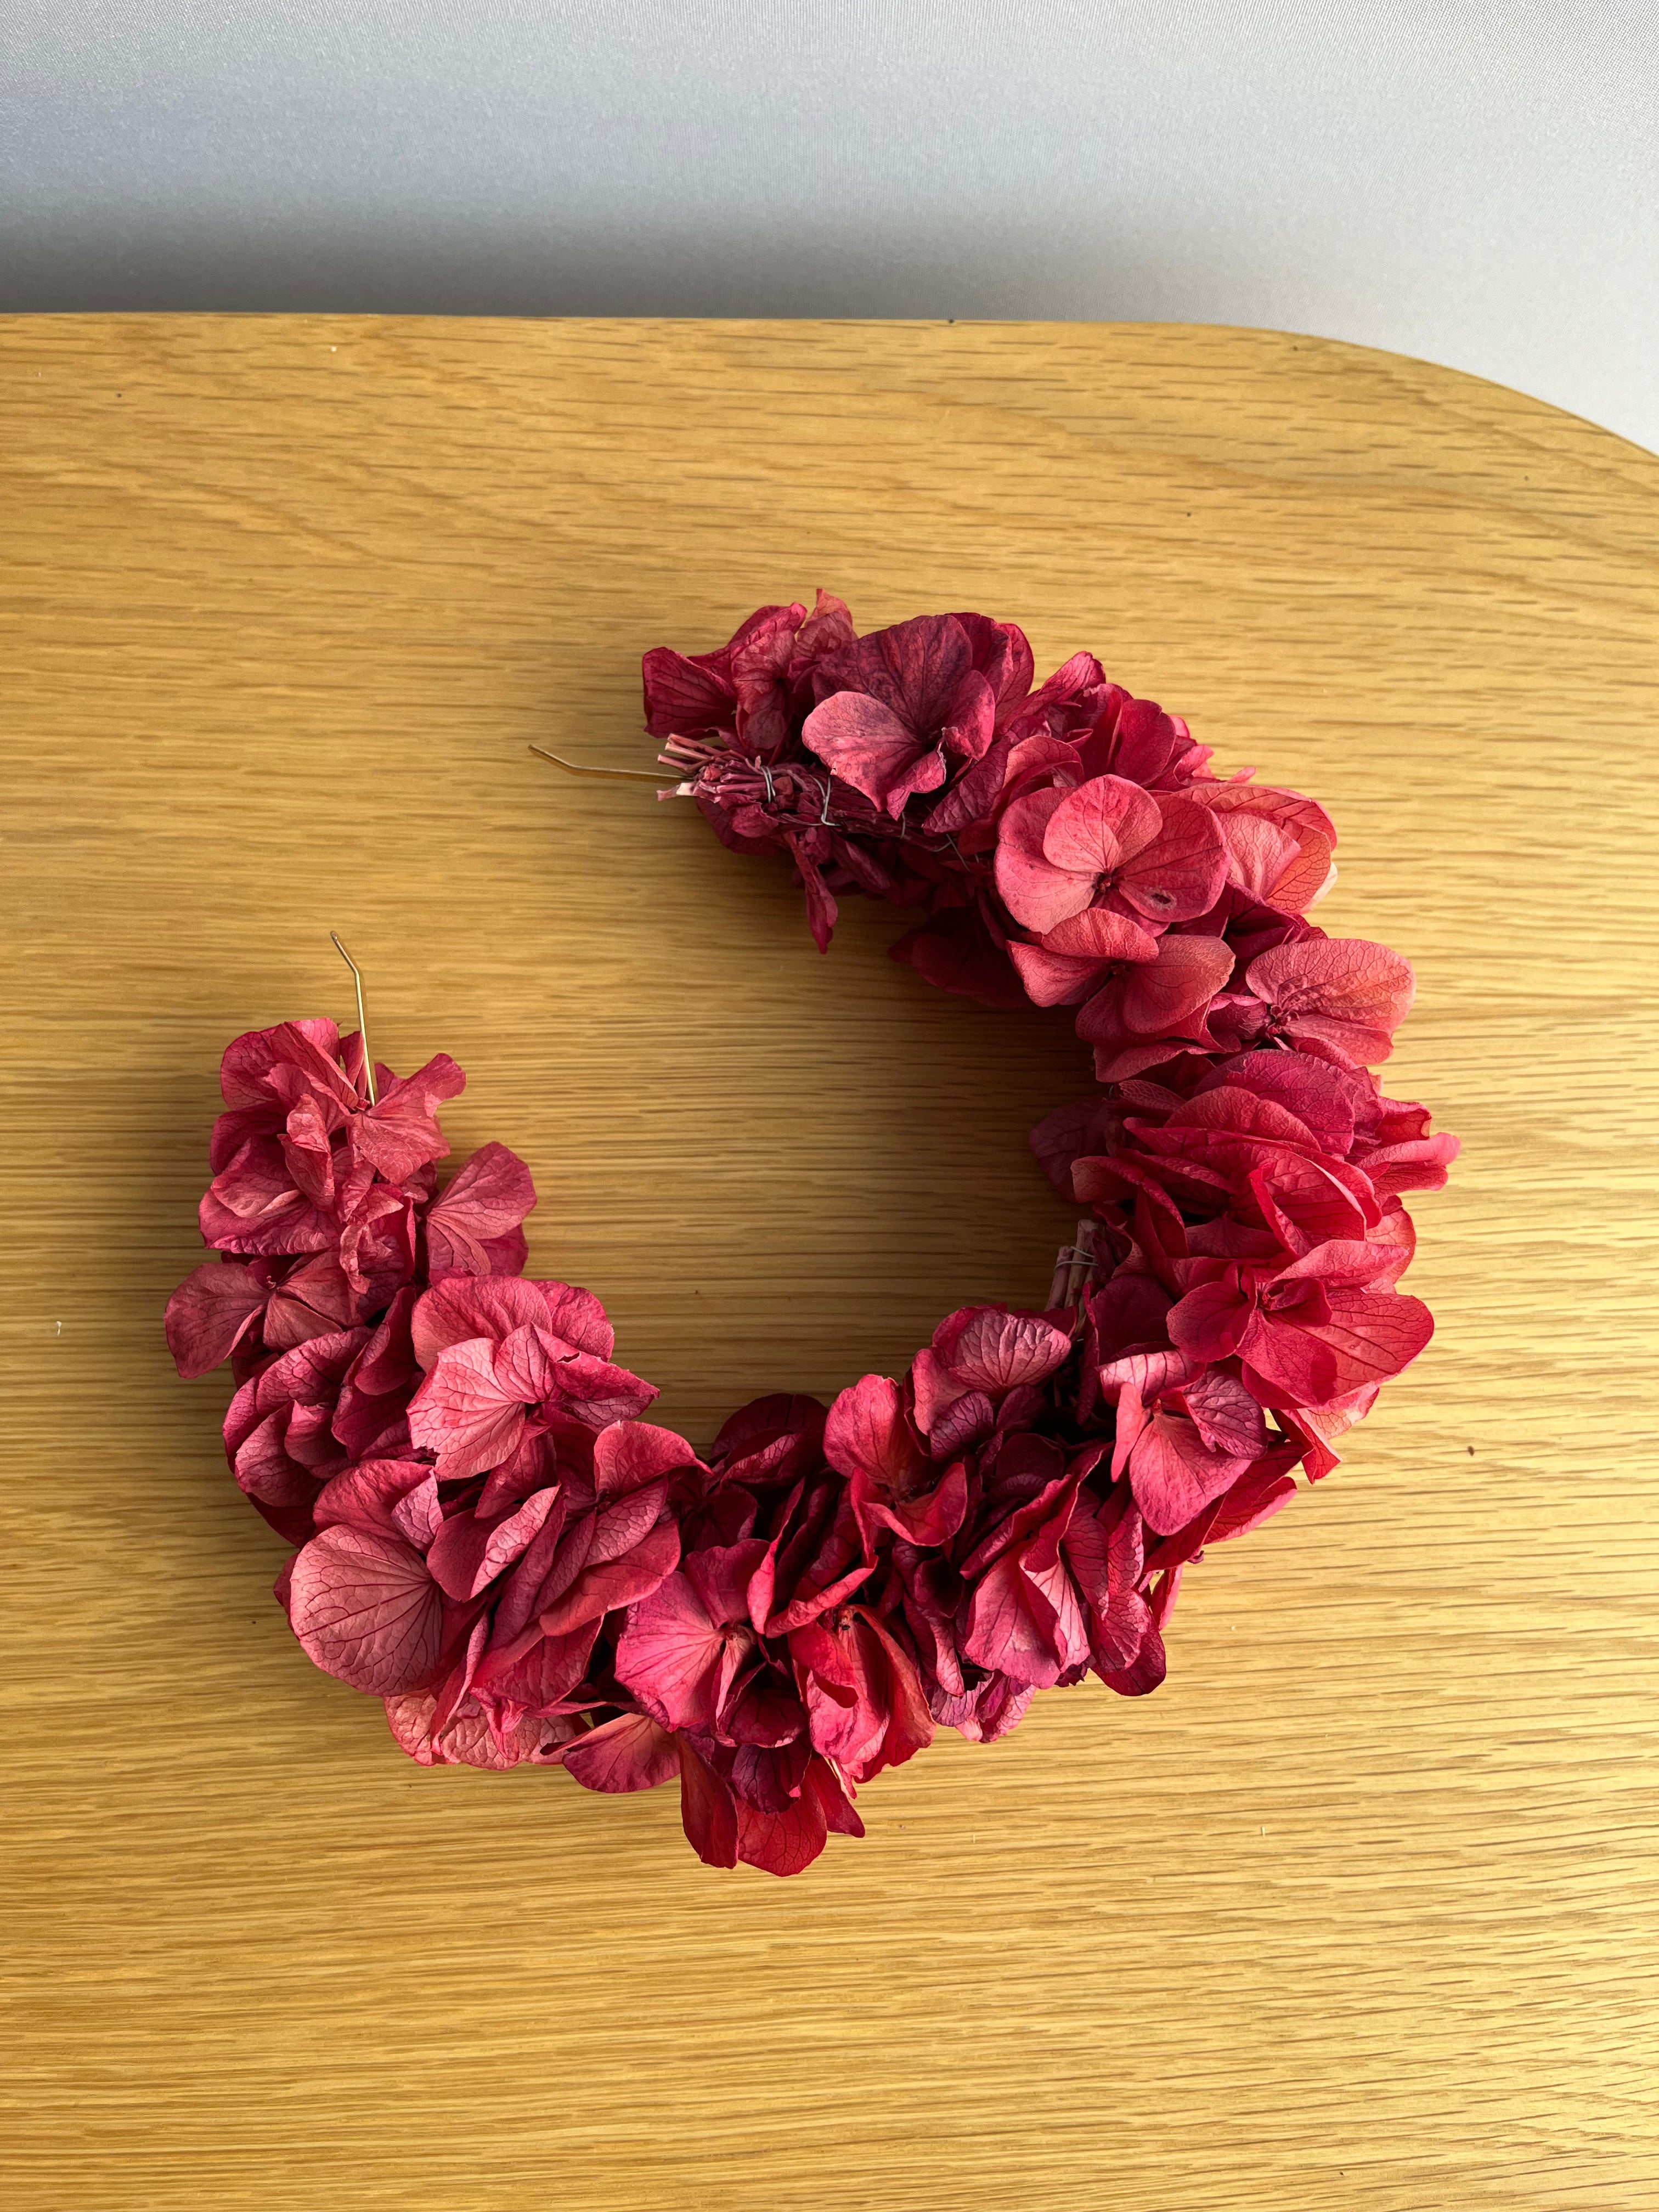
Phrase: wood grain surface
{"type": "Point", "coordinates": [1360, 1911]}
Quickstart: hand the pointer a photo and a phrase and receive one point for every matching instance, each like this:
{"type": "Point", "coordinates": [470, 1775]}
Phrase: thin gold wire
{"type": "Point", "coordinates": [363, 1018]}
{"type": "Point", "coordinates": [618, 775]}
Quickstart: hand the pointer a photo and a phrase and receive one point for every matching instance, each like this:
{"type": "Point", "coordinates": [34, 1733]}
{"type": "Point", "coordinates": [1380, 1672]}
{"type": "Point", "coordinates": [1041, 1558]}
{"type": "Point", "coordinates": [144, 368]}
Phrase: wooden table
{"type": "Point", "coordinates": [1359, 1911]}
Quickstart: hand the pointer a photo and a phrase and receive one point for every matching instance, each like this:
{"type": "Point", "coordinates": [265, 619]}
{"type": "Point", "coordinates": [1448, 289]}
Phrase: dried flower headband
{"type": "Point", "coordinates": [489, 1536]}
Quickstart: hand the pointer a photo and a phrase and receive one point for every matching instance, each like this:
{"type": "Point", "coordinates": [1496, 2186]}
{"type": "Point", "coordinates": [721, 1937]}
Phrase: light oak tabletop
{"type": "Point", "coordinates": [1360, 1911]}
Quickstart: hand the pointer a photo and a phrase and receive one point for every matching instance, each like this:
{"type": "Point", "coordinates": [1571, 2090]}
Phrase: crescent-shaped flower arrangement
{"type": "Point", "coordinates": [490, 1536]}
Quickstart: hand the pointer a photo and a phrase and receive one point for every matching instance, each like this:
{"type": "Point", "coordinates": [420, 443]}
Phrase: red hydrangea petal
{"type": "Point", "coordinates": [630, 1753]}
{"type": "Point", "coordinates": [708, 1811]}
{"type": "Point", "coordinates": [210, 1314]}
{"type": "Point", "coordinates": [1174, 1474]}
{"type": "Point", "coordinates": [1051, 979]}
{"type": "Point", "coordinates": [865, 745]}
{"type": "Point", "coordinates": [396, 1496]}
{"type": "Point", "coordinates": [1373, 1334]}
{"type": "Point", "coordinates": [483, 1207]}
{"type": "Point", "coordinates": [460, 1308]}
{"type": "Point", "coordinates": [605, 1585]}
{"type": "Point", "coordinates": [957, 952]}
{"type": "Point", "coordinates": [527, 1364]}
{"type": "Point", "coordinates": [1177, 876]}
{"type": "Point", "coordinates": [1010, 1626]}
{"type": "Point", "coordinates": [783, 1843]}
{"type": "Point", "coordinates": [915, 667]}
{"type": "Point", "coordinates": [627, 1455]}
{"type": "Point", "coordinates": [468, 1738]}
{"type": "Point", "coordinates": [684, 697]}
{"type": "Point", "coordinates": [467, 1554]}
{"type": "Point", "coordinates": [1210, 1321]}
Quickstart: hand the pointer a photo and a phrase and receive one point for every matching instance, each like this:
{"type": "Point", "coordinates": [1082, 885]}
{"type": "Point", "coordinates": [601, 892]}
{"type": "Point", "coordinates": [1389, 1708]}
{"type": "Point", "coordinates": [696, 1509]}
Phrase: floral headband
{"type": "Point", "coordinates": [490, 1536]}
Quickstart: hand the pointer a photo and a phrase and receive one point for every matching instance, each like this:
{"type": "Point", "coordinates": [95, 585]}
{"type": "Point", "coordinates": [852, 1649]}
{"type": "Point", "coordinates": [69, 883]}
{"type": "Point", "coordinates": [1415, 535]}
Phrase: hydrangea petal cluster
{"type": "Point", "coordinates": [490, 1535]}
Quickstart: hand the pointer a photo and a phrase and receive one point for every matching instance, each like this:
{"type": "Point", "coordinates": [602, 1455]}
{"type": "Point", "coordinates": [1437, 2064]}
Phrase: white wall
{"type": "Point", "coordinates": [1470, 181]}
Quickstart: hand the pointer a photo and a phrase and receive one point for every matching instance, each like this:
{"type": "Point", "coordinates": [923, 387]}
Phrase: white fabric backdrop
{"type": "Point", "coordinates": [1475, 182]}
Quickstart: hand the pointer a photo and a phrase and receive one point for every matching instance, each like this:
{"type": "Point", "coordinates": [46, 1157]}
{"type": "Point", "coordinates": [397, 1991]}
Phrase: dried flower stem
{"type": "Point", "coordinates": [1074, 1268]}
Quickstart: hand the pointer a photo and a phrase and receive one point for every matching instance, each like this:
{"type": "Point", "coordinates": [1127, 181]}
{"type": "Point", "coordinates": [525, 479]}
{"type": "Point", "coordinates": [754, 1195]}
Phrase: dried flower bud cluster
{"type": "Point", "coordinates": [491, 1537]}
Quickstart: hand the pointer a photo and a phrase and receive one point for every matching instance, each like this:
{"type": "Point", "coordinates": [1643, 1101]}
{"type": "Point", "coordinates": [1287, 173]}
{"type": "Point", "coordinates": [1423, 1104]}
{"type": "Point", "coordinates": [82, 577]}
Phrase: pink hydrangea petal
{"type": "Point", "coordinates": [915, 667]}
{"type": "Point", "coordinates": [669, 1656]}
{"type": "Point", "coordinates": [1173, 1473]}
{"type": "Point", "coordinates": [1144, 1672]}
{"type": "Point", "coordinates": [1290, 869]}
{"type": "Point", "coordinates": [1348, 983]}
{"type": "Point", "coordinates": [462, 1413]}
{"type": "Point", "coordinates": [467, 1738]}
{"type": "Point", "coordinates": [365, 1609]}
{"type": "Point", "coordinates": [1306, 1202]}
{"type": "Point", "coordinates": [866, 1431]}
{"type": "Point", "coordinates": [1259, 852]}
{"type": "Point", "coordinates": [1224, 1415]}
{"type": "Point", "coordinates": [1050, 978]}
{"type": "Point", "coordinates": [459, 1309]}
{"type": "Point", "coordinates": [930, 1516]}
{"type": "Point", "coordinates": [626, 1519]}
{"type": "Point", "coordinates": [1353, 1263]}
{"type": "Point", "coordinates": [1098, 933]}
{"type": "Point", "coordinates": [1102, 823]}
{"type": "Point", "coordinates": [971, 721]}
{"type": "Point", "coordinates": [1374, 1334]}
{"type": "Point", "coordinates": [1327, 1101]}
{"type": "Point", "coordinates": [1010, 1627]}
{"type": "Point", "coordinates": [1038, 894]}
{"type": "Point", "coordinates": [962, 1422]}
{"type": "Point", "coordinates": [722, 1574]}
{"type": "Point", "coordinates": [972, 797]}
{"type": "Point", "coordinates": [958, 952]}
{"type": "Point", "coordinates": [596, 1393]}
{"type": "Point", "coordinates": [311, 1047]}
{"type": "Point", "coordinates": [527, 1364]}
{"type": "Point", "coordinates": [1210, 1321]}
{"type": "Point", "coordinates": [1161, 995]}
{"type": "Point", "coordinates": [577, 1315]}
{"type": "Point", "coordinates": [785, 1842]}
{"type": "Point", "coordinates": [315, 1300]}
{"type": "Point", "coordinates": [1257, 1495]}
{"type": "Point", "coordinates": [1002, 654]}
{"type": "Point", "coordinates": [998, 1352]}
